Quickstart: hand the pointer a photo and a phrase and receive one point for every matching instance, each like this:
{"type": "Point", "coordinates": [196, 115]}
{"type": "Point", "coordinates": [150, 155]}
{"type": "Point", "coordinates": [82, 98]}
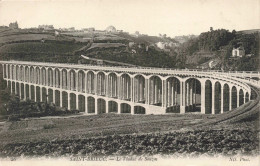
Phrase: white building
{"type": "Point", "coordinates": [238, 52]}
{"type": "Point", "coordinates": [164, 45]}
{"type": "Point", "coordinates": [161, 45]}
{"type": "Point", "coordinates": [89, 30]}
{"type": "Point", "coordinates": [111, 29]}
{"type": "Point", "coordinates": [46, 27]}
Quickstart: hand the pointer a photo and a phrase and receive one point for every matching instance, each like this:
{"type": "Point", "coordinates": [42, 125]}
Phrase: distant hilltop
{"type": "Point", "coordinates": [249, 31]}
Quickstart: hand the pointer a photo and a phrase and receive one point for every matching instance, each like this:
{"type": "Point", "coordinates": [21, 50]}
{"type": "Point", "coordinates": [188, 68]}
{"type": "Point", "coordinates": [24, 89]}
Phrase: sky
{"type": "Point", "coordinates": [171, 17]}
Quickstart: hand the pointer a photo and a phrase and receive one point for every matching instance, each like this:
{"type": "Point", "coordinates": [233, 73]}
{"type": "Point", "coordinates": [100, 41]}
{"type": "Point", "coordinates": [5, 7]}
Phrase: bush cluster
{"type": "Point", "coordinates": [17, 109]}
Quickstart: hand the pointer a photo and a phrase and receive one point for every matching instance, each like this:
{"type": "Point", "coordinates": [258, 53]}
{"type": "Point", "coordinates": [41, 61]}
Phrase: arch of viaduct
{"type": "Point", "coordinates": [100, 89]}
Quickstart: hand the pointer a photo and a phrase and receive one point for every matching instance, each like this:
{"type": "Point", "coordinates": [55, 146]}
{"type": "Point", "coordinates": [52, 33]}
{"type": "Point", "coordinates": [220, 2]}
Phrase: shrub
{"type": "Point", "coordinates": [16, 109]}
{"type": "Point", "coordinates": [13, 118]}
{"type": "Point", "coordinates": [48, 126]}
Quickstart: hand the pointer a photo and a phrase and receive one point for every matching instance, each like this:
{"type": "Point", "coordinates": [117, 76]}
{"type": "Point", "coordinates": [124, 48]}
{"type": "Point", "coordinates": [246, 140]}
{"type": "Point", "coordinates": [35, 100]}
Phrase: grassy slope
{"type": "Point", "coordinates": [249, 31]}
{"type": "Point", "coordinates": [105, 45]}
{"type": "Point", "coordinates": [62, 52]}
{"type": "Point", "coordinates": [33, 47]}
{"type": "Point", "coordinates": [28, 46]}
{"type": "Point", "coordinates": [97, 36]}
{"type": "Point", "coordinates": [66, 48]}
{"type": "Point", "coordinates": [198, 58]}
{"type": "Point", "coordinates": [96, 125]}
{"type": "Point", "coordinates": [25, 37]}
{"type": "Point", "coordinates": [145, 39]}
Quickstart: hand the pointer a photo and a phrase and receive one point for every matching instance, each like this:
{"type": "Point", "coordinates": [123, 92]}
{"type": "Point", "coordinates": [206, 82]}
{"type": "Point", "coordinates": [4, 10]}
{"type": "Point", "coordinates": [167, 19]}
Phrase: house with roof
{"type": "Point", "coordinates": [238, 52]}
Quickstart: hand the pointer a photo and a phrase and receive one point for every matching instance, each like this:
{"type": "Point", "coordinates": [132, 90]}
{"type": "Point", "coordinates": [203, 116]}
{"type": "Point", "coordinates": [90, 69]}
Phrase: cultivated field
{"type": "Point", "coordinates": [112, 134]}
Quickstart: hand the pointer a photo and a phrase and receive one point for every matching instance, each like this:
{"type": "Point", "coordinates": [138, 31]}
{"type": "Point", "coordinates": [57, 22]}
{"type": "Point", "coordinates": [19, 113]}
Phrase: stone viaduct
{"type": "Point", "coordinates": [104, 89]}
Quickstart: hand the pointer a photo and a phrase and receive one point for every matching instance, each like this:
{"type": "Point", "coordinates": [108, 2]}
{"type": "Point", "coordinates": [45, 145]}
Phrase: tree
{"type": "Point", "coordinates": [13, 106]}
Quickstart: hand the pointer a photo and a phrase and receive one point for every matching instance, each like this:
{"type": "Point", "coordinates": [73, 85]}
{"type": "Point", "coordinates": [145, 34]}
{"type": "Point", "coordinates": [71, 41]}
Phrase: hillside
{"type": "Point", "coordinates": [37, 46]}
{"type": "Point", "coordinates": [34, 47]}
{"type": "Point", "coordinates": [106, 45]}
{"type": "Point", "coordinates": [197, 51]}
{"type": "Point", "coordinates": [200, 57]}
{"type": "Point", "coordinates": [67, 47]}
{"type": "Point", "coordinates": [146, 39]}
{"type": "Point", "coordinates": [140, 55]}
{"type": "Point", "coordinates": [219, 44]}
{"type": "Point", "coordinates": [14, 38]}
{"type": "Point", "coordinates": [250, 31]}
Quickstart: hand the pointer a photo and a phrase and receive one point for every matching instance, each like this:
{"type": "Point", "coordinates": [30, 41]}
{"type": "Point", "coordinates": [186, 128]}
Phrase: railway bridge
{"type": "Point", "coordinates": [134, 90]}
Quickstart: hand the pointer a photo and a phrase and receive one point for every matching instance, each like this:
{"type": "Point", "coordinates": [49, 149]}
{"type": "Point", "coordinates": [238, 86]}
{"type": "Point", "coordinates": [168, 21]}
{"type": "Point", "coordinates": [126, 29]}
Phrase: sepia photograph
{"type": "Point", "coordinates": [130, 82]}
